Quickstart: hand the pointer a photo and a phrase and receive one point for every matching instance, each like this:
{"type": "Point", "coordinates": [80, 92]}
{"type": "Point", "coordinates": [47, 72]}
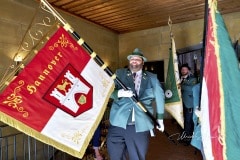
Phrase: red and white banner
{"type": "Point", "coordinates": [59, 97]}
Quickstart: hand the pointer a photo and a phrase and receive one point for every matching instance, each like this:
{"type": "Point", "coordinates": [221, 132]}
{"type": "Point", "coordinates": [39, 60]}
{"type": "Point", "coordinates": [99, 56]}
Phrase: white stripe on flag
{"type": "Point", "coordinates": [205, 123]}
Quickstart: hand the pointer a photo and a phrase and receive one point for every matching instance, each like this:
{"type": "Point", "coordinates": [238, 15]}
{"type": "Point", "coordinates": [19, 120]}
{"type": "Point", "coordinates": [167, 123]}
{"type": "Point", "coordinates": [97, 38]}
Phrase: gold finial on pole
{"type": "Point", "coordinates": [170, 26]}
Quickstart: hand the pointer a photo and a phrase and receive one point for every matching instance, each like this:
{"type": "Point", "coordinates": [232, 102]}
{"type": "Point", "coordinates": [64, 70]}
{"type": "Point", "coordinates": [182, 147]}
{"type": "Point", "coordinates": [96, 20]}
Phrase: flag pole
{"type": "Point", "coordinates": [203, 48]}
{"type": "Point", "coordinates": [98, 60]}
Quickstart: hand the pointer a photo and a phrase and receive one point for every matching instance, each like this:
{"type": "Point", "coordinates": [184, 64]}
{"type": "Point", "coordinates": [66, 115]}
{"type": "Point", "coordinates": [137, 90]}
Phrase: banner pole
{"type": "Point", "coordinates": [97, 59]}
{"type": "Point", "coordinates": [205, 29]}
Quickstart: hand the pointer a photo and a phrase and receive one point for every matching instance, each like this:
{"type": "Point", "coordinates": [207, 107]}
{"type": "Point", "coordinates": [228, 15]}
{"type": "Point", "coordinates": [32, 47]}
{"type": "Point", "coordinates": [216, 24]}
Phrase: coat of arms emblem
{"type": "Point", "coordinates": [71, 92]}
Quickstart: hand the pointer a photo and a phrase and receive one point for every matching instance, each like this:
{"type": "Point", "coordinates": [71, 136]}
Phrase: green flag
{"type": "Point", "coordinates": [173, 101]}
{"type": "Point", "coordinates": [220, 96]}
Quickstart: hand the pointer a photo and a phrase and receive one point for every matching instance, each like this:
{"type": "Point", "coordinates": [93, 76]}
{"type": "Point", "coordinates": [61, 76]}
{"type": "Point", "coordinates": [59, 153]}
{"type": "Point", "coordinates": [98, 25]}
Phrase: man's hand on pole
{"type": "Point", "coordinates": [125, 93]}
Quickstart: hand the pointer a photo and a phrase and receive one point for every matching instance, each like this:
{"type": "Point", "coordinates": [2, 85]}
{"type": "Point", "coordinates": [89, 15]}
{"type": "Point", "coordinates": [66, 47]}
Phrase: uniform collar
{"type": "Point", "coordinates": [144, 73]}
{"type": "Point", "coordinates": [138, 72]}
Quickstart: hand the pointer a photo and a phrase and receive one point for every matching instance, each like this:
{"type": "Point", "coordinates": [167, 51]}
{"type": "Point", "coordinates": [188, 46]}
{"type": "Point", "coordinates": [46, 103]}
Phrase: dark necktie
{"type": "Point", "coordinates": [183, 80]}
{"type": "Point", "coordinates": [134, 75]}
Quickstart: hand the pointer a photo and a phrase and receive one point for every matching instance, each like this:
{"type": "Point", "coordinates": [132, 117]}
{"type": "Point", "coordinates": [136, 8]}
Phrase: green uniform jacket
{"type": "Point", "coordinates": [150, 91]}
{"type": "Point", "coordinates": [187, 92]}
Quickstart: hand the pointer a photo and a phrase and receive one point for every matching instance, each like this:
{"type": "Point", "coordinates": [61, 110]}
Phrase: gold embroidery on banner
{"type": "Point", "coordinates": [64, 85]}
{"type": "Point", "coordinates": [15, 100]}
{"type": "Point", "coordinates": [32, 88]}
{"type": "Point", "coordinates": [105, 84]}
{"type": "Point", "coordinates": [74, 137]}
{"type": "Point", "coordinates": [63, 42]}
{"type": "Point", "coordinates": [82, 100]}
